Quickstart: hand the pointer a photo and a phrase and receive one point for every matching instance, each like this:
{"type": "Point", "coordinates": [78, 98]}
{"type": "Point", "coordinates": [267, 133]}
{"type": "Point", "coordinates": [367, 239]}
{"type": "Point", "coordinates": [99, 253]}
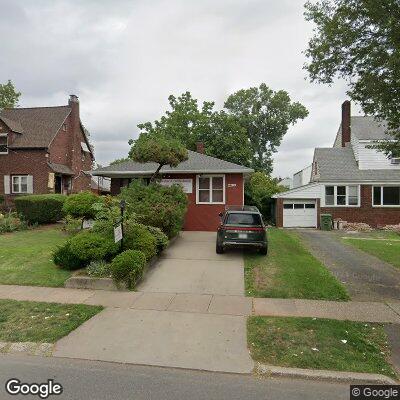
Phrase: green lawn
{"type": "Point", "coordinates": [386, 250]}
{"type": "Point", "coordinates": [317, 344]}
{"type": "Point", "coordinates": [289, 271]}
{"type": "Point", "coordinates": [28, 321]}
{"type": "Point", "coordinates": [25, 258]}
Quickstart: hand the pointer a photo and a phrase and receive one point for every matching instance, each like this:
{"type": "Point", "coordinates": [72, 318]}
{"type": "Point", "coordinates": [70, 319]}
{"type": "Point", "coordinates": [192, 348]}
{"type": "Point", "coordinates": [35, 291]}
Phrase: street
{"type": "Point", "coordinates": [100, 380]}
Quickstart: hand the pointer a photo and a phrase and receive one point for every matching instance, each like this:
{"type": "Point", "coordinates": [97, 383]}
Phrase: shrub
{"type": "Point", "coordinates": [41, 208]}
{"type": "Point", "coordinates": [99, 269]}
{"type": "Point", "coordinates": [128, 267]}
{"type": "Point", "coordinates": [156, 205]}
{"type": "Point", "coordinates": [80, 205]}
{"type": "Point", "coordinates": [72, 225]}
{"type": "Point", "coordinates": [89, 246]}
{"type": "Point", "coordinates": [64, 257]}
{"type": "Point", "coordinates": [161, 238]}
{"type": "Point", "coordinates": [137, 237]}
{"type": "Point", "coordinates": [11, 223]}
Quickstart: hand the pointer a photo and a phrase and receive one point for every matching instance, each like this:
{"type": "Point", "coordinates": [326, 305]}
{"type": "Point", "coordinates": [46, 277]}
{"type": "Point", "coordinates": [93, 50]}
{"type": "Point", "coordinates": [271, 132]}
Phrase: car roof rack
{"type": "Point", "coordinates": [242, 208]}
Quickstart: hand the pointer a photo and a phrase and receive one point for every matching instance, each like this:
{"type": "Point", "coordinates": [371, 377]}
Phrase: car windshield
{"type": "Point", "coordinates": [243, 219]}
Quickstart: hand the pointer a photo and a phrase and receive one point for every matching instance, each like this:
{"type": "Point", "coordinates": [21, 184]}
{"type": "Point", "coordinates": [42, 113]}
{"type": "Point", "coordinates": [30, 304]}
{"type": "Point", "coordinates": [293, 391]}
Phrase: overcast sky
{"type": "Point", "coordinates": [123, 58]}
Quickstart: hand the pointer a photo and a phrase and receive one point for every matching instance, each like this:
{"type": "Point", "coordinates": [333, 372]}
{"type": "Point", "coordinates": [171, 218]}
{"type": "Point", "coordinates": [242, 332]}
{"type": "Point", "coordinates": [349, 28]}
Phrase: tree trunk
{"type": "Point", "coordinates": [154, 176]}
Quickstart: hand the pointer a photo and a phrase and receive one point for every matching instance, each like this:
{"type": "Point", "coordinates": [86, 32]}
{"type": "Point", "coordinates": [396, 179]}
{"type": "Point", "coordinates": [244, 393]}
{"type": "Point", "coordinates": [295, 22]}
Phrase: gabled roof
{"type": "Point", "coordinates": [365, 128]}
{"type": "Point", "coordinates": [338, 164]}
{"type": "Point", "coordinates": [196, 163]}
{"type": "Point", "coordinates": [36, 126]}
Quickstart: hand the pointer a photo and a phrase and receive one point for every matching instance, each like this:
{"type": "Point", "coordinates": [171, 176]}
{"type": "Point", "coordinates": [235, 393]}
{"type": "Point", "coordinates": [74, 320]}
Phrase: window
{"type": "Point", "coordinates": [288, 206]}
{"type": "Point", "coordinates": [20, 184]}
{"type": "Point", "coordinates": [3, 143]}
{"type": "Point", "coordinates": [298, 206]}
{"type": "Point", "coordinates": [211, 189]}
{"type": "Point", "coordinates": [243, 219]}
{"type": "Point", "coordinates": [386, 196]}
{"type": "Point", "coordinates": [310, 205]}
{"type": "Point", "coordinates": [341, 196]}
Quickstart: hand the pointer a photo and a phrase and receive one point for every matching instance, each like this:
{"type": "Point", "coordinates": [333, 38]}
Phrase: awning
{"type": "Point", "coordinates": [60, 169]}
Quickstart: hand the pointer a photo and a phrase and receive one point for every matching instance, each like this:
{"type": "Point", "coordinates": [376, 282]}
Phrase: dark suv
{"type": "Point", "coordinates": [242, 226]}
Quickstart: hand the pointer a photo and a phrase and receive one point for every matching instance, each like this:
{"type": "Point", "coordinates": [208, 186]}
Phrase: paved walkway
{"type": "Point", "coordinates": [366, 277]}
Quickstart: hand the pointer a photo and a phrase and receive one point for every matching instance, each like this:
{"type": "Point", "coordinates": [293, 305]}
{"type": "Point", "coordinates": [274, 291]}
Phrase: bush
{"type": "Point", "coordinates": [128, 267]}
{"type": "Point", "coordinates": [41, 208]}
{"type": "Point", "coordinates": [156, 205]}
{"type": "Point", "coordinates": [64, 257]}
{"type": "Point", "coordinates": [80, 205]}
{"type": "Point", "coordinates": [72, 225]}
{"type": "Point", "coordinates": [81, 249]}
{"type": "Point", "coordinates": [137, 237]}
{"type": "Point", "coordinates": [161, 238]}
{"type": "Point", "coordinates": [11, 223]}
{"type": "Point", "coordinates": [99, 269]}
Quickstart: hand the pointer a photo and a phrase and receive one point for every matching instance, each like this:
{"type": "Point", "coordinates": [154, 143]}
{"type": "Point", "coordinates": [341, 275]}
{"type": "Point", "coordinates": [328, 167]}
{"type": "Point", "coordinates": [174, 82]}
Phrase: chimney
{"type": "Point", "coordinates": [346, 128]}
{"type": "Point", "coordinates": [200, 147]}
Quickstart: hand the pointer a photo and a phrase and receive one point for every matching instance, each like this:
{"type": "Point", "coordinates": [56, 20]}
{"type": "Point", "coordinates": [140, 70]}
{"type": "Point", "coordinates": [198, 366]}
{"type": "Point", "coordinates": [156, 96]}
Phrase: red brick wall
{"type": "Point", "coordinates": [373, 216]}
{"type": "Point", "coordinates": [203, 217]}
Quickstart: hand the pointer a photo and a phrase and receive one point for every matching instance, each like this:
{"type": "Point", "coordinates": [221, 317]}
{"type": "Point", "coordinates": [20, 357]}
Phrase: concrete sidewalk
{"type": "Point", "coordinates": [211, 304]}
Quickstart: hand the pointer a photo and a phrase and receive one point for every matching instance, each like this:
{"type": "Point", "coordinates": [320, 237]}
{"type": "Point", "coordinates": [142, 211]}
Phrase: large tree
{"type": "Point", "coordinates": [359, 40]}
{"type": "Point", "coordinates": [266, 116]}
{"type": "Point", "coordinates": [8, 95]}
{"type": "Point", "coordinates": [157, 148]}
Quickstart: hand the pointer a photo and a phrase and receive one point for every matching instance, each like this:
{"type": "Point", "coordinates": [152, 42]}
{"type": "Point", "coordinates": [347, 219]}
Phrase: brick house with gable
{"type": "Point", "coordinates": [43, 150]}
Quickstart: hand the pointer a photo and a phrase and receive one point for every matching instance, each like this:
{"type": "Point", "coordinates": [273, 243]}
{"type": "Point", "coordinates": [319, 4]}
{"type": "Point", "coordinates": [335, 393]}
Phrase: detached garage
{"type": "Point", "coordinates": [299, 207]}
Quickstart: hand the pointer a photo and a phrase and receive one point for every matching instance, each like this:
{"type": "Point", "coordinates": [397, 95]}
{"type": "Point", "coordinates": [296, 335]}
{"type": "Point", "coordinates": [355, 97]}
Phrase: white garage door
{"type": "Point", "coordinates": [299, 213]}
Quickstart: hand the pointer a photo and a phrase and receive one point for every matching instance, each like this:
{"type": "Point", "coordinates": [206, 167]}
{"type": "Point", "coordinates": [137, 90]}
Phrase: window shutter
{"type": "Point", "coordinates": [6, 184]}
{"type": "Point", "coordinates": [29, 184]}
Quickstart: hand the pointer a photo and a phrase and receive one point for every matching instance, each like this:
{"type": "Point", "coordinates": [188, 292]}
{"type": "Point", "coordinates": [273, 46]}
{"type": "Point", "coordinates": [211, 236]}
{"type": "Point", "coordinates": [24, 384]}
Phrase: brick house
{"type": "Point", "coordinates": [43, 150]}
{"type": "Point", "coordinates": [210, 184]}
{"type": "Point", "coordinates": [351, 181]}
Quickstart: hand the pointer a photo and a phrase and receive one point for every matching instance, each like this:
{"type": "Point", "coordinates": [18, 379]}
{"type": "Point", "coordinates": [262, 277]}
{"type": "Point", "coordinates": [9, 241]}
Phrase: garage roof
{"type": "Point", "coordinates": [196, 163]}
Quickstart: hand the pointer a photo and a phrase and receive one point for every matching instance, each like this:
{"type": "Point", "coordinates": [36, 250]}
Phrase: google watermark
{"type": "Point", "coordinates": [43, 390]}
{"type": "Point", "coordinates": [374, 392]}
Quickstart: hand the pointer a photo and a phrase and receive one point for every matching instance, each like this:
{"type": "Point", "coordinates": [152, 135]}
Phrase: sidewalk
{"type": "Point", "coordinates": [210, 304]}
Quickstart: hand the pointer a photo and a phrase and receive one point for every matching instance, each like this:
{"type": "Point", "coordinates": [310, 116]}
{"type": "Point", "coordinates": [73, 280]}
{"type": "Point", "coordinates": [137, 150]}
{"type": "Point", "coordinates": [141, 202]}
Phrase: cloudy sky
{"type": "Point", "coordinates": [124, 57]}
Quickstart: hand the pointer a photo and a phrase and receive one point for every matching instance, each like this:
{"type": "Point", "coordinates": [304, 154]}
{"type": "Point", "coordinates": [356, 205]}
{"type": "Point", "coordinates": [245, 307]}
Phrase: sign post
{"type": "Point", "coordinates": [119, 229]}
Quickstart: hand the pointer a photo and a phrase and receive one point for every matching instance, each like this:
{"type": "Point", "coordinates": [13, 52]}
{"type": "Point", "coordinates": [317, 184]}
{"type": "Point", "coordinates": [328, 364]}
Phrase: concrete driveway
{"type": "Point", "coordinates": [171, 321]}
{"type": "Point", "coordinates": [191, 265]}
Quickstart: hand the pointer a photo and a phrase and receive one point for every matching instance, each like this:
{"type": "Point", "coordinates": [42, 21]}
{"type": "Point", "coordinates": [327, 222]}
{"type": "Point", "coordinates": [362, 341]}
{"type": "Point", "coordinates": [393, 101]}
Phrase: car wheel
{"type": "Point", "coordinates": [219, 249]}
{"type": "Point", "coordinates": [264, 250]}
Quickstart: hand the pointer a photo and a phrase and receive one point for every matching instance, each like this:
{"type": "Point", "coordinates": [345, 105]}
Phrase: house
{"type": "Point", "coordinates": [302, 177]}
{"type": "Point", "coordinates": [210, 184]}
{"type": "Point", "coordinates": [43, 150]}
{"type": "Point", "coordinates": [286, 182]}
{"type": "Point", "coordinates": [351, 181]}
{"type": "Point", "coordinates": [100, 185]}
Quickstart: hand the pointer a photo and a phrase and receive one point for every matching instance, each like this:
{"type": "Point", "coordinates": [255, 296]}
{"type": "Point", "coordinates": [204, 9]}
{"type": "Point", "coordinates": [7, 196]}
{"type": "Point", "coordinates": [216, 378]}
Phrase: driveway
{"type": "Point", "coordinates": [366, 277]}
{"type": "Point", "coordinates": [179, 316]}
{"type": "Point", "coordinates": [191, 265]}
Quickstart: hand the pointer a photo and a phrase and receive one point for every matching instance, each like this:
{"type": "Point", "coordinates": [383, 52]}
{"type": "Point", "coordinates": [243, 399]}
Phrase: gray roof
{"type": "Point", "coordinates": [60, 168]}
{"type": "Point", "coordinates": [196, 163]}
{"type": "Point", "coordinates": [365, 128]}
{"type": "Point", "coordinates": [338, 164]}
{"type": "Point", "coordinates": [36, 127]}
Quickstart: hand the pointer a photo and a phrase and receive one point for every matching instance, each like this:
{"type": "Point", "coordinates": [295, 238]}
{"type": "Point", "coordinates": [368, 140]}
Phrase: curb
{"type": "Point", "coordinates": [326, 375]}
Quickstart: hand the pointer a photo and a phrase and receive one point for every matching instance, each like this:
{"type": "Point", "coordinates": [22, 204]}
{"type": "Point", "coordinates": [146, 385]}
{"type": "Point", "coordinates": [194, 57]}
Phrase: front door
{"type": "Point", "coordinates": [58, 184]}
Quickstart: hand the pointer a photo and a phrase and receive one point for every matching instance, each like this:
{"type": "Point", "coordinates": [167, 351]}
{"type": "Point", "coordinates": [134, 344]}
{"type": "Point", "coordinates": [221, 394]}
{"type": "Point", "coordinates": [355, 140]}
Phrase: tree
{"type": "Point", "coordinates": [359, 40]}
{"type": "Point", "coordinates": [8, 95]}
{"type": "Point", "coordinates": [259, 190]}
{"type": "Point", "coordinates": [266, 116]}
{"type": "Point", "coordinates": [119, 160]}
{"type": "Point", "coordinates": [158, 148]}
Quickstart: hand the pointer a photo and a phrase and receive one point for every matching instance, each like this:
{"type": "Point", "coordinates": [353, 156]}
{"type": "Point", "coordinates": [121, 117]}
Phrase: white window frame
{"type": "Point", "coordinates": [210, 188]}
{"type": "Point", "coordinates": [347, 196]}
{"type": "Point", "coordinates": [19, 184]}
{"type": "Point", "coordinates": [382, 205]}
{"type": "Point", "coordinates": [6, 136]}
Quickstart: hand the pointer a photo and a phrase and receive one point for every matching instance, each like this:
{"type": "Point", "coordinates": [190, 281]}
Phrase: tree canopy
{"type": "Point", "coordinates": [8, 95]}
{"type": "Point", "coordinates": [247, 131]}
{"type": "Point", "coordinates": [359, 40]}
{"type": "Point", "coordinates": [158, 148]}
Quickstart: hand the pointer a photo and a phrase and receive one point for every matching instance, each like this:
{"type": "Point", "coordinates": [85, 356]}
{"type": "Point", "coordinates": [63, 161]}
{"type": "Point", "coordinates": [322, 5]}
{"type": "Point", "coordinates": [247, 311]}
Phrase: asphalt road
{"type": "Point", "coordinates": [88, 380]}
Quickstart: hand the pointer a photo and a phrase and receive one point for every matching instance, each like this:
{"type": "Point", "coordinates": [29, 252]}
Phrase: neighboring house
{"type": "Point", "coordinates": [286, 183]}
{"type": "Point", "coordinates": [302, 177]}
{"type": "Point", "coordinates": [101, 185]}
{"type": "Point", "coordinates": [210, 184]}
{"type": "Point", "coordinates": [350, 181]}
{"type": "Point", "coordinates": [43, 150]}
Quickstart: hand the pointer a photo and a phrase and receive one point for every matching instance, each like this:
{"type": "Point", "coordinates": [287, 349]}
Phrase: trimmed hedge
{"type": "Point", "coordinates": [128, 267]}
{"type": "Point", "coordinates": [79, 205]}
{"type": "Point", "coordinates": [40, 208]}
{"type": "Point", "coordinates": [137, 237]}
{"type": "Point", "coordinates": [161, 238]}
